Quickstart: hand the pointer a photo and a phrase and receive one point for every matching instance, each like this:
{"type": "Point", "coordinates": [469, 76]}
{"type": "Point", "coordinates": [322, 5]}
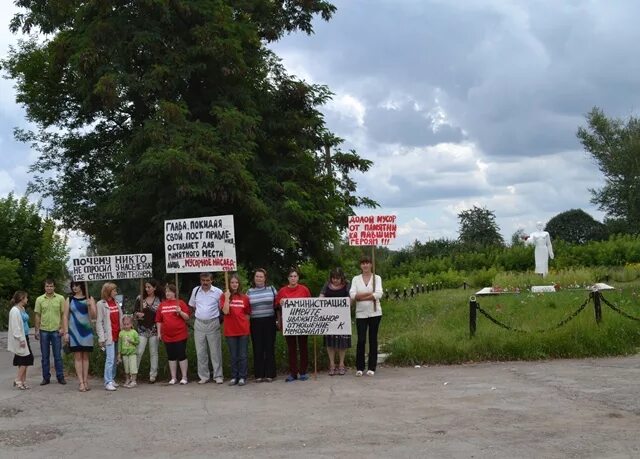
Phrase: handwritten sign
{"type": "Point", "coordinates": [194, 245]}
{"type": "Point", "coordinates": [316, 316]}
{"type": "Point", "coordinates": [112, 267]}
{"type": "Point", "coordinates": [372, 230]}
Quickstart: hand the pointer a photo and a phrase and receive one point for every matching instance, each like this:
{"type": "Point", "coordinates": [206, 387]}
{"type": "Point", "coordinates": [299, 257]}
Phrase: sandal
{"type": "Point", "coordinates": [81, 387]}
{"type": "Point", "coordinates": [342, 371]}
{"type": "Point", "coordinates": [332, 371]}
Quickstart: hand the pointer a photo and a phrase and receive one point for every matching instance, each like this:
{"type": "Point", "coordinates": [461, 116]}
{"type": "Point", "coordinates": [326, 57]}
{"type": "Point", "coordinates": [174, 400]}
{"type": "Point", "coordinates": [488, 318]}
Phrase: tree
{"type": "Point", "coordinates": [31, 248]}
{"type": "Point", "coordinates": [576, 227]}
{"type": "Point", "coordinates": [615, 146]}
{"type": "Point", "coordinates": [154, 110]}
{"type": "Point", "coordinates": [517, 238]}
{"type": "Point", "coordinates": [478, 228]}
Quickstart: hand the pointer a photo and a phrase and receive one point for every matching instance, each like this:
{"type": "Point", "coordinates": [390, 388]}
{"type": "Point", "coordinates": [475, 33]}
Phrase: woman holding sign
{"type": "Point", "coordinates": [262, 298]}
{"type": "Point", "coordinates": [293, 291]}
{"type": "Point", "coordinates": [366, 290]}
{"type": "Point", "coordinates": [337, 287]}
{"type": "Point", "coordinates": [108, 328]}
{"type": "Point", "coordinates": [145, 312]}
{"type": "Point", "coordinates": [236, 309]}
{"type": "Point", "coordinates": [171, 320]}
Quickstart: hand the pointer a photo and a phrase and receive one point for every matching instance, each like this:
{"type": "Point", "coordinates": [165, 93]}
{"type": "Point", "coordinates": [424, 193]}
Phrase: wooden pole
{"type": "Point", "coordinates": [226, 281]}
{"type": "Point", "coordinates": [373, 273]}
{"type": "Point", "coordinates": [315, 359]}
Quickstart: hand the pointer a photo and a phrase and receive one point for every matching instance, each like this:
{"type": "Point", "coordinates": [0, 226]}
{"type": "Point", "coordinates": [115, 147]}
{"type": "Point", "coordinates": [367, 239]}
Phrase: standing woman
{"type": "Point", "coordinates": [79, 310]}
{"type": "Point", "coordinates": [262, 298]}
{"type": "Point", "coordinates": [145, 312]}
{"type": "Point", "coordinates": [18, 338]}
{"type": "Point", "coordinates": [171, 320]}
{"type": "Point", "coordinates": [366, 290]}
{"type": "Point", "coordinates": [291, 291]}
{"type": "Point", "coordinates": [236, 309]}
{"type": "Point", "coordinates": [108, 328]}
{"type": "Point", "coordinates": [337, 287]}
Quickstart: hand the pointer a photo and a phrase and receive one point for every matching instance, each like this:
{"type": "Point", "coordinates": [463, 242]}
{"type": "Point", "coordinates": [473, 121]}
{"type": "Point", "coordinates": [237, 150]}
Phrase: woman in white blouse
{"type": "Point", "coordinates": [366, 290]}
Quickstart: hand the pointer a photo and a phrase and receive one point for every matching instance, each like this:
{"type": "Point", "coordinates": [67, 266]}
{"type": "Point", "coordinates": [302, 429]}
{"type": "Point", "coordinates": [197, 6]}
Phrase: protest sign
{"type": "Point", "coordinates": [373, 230]}
{"type": "Point", "coordinates": [316, 316]}
{"type": "Point", "coordinates": [194, 245]}
{"type": "Point", "coordinates": [112, 267]}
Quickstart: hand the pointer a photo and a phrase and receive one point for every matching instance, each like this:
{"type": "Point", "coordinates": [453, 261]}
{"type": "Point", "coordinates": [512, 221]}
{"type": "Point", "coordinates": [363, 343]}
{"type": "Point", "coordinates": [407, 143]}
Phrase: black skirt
{"type": "Point", "coordinates": [23, 360]}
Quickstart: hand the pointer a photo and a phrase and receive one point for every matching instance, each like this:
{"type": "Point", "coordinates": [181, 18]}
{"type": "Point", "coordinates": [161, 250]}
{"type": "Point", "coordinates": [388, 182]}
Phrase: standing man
{"type": "Point", "coordinates": [49, 309]}
{"type": "Point", "coordinates": [205, 299]}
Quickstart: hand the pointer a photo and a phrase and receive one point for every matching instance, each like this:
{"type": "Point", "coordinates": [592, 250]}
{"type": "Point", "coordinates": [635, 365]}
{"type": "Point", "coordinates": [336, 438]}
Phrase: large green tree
{"type": "Point", "coordinates": [157, 109]}
{"type": "Point", "coordinates": [31, 247]}
{"type": "Point", "coordinates": [576, 227]}
{"type": "Point", "coordinates": [478, 228]}
{"type": "Point", "coordinates": [615, 146]}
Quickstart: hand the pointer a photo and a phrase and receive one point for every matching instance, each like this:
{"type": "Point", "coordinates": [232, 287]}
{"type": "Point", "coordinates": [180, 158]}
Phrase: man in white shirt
{"type": "Point", "coordinates": [205, 299]}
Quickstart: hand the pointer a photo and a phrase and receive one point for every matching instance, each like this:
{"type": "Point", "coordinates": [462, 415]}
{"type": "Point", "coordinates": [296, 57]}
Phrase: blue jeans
{"type": "Point", "coordinates": [53, 339]}
{"type": "Point", "coordinates": [110, 364]}
{"type": "Point", "coordinates": [238, 349]}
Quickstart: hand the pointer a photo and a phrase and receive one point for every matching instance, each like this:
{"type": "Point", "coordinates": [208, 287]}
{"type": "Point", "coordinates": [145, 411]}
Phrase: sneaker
{"type": "Point", "coordinates": [219, 380]}
{"type": "Point", "coordinates": [110, 387]}
{"type": "Point", "coordinates": [359, 373]}
{"type": "Point", "coordinates": [259, 380]}
{"type": "Point", "coordinates": [115, 384]}
{"type": "Point", "coordinates": [370, 372]}
{"type": "Point", "coordinates": [172, 382]}
{"type": "Point", "coordinates": [241, 382]}
{"type": "Point", "coordinates": [203, 381]}
{"type": "Point", "coordinates": [268, 379]}
{"type": "Point", "coordinates": [233, 382]}
{"type": "Point", "coordinates": [132, 384]}
{"type": "Point", "coordinates": [303, 377]}
{"type": "Point", "coordinates": [184, 381]}
{"type": "Point", "coordinates": [152, 380]}
{"type": "Point", "coordinates": [290, 378]}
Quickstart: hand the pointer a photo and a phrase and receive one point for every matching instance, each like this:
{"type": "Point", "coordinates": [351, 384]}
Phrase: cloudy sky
{"type": "Point", "coordinates": [458, 102]}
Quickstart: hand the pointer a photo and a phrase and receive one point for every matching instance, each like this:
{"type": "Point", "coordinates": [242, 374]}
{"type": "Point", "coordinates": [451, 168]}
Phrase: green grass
{"type": "Point", "coordinates": [434, 328]}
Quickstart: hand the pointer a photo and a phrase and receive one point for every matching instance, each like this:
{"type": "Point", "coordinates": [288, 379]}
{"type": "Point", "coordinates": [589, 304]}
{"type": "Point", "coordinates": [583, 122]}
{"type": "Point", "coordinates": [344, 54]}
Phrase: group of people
{"type": "Point", "coordinates": [160, 315]}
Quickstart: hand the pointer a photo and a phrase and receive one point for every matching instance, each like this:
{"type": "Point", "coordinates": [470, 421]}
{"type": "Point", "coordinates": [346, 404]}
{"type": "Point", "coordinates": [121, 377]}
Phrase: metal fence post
{"type": "Point", "coordinates": [473, 309]}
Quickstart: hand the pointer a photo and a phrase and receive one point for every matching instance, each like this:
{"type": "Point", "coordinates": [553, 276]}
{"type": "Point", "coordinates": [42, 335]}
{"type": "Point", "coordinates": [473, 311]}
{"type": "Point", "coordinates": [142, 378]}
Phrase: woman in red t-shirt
{"type": "Point", "coordinates": [171, 320]}
{"type": "Point", "coordinates": [292, 291]}
{"type": "Point", "coordinates": [236, 309]}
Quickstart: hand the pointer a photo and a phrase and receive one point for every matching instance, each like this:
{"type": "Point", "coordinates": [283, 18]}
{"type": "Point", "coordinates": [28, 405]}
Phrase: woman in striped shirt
{"type": "Point", "coordinates": [263, 326]}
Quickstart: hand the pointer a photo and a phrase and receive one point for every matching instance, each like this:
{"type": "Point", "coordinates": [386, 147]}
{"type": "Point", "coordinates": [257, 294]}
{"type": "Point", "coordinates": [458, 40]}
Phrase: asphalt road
{"type": "Point", "coordinates": [562, 408]}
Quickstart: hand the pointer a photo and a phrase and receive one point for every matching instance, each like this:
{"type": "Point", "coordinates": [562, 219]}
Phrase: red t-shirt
{"type": "Point", "coordinates": [114, 316]}
{"type": "Point", "coordinates": [299, 291]}
{"type": "Point", "coordinates": [174, 327]}
{"type": "Point", "coordinates": [236, 323]}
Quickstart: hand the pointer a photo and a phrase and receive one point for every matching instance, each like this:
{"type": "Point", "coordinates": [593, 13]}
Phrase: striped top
{"type": "Point", "coordinates": [262, 300]}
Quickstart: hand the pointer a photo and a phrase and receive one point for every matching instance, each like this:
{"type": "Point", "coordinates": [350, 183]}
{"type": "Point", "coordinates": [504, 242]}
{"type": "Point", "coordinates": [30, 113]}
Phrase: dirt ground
{"type": "Point", "coordinates": [563, 408]}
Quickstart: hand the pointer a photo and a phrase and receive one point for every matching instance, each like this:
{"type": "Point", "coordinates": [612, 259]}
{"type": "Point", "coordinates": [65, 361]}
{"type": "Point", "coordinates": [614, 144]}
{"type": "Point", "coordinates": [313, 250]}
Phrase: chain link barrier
{"type": "Point", "coordinates": [618, 310]}
{"type": "Point", "coordinates": [563, 322]}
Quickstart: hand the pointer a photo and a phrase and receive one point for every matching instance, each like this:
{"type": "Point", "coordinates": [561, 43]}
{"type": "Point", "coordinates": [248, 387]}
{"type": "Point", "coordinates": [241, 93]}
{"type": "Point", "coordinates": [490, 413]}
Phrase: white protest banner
{"type": "Point", "coordinates": [194, 245]}
{"type": "Point", "coordinates": [112, 267]}
{"type": "Point", "coordinates": [316, 316]}
{"type": "Point", "coordinates": [372, 230]}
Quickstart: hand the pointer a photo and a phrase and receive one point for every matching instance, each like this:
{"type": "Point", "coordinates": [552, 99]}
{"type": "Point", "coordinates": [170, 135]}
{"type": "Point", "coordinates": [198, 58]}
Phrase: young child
{"type": "Point", "coordinates": [128, 340]}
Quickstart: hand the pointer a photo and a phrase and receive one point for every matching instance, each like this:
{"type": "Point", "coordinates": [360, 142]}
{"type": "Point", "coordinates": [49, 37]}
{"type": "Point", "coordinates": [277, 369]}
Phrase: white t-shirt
{"type": "Point", "coordinates": [364, 309]}
{"type": "Point", "coordinates": [207, 304]}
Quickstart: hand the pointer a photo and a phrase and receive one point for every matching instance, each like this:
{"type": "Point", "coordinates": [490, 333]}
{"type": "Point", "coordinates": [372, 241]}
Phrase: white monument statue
{"type": "Point", "coordinates": [542, 242]}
